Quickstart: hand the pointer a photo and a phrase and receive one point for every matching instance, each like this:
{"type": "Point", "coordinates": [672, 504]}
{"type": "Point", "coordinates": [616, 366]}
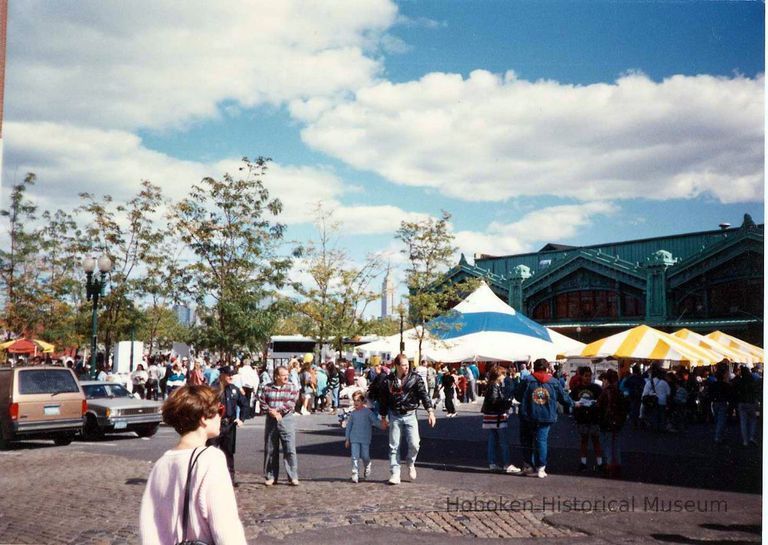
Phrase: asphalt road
{"type": "Point", "coordinates": [457, 446]}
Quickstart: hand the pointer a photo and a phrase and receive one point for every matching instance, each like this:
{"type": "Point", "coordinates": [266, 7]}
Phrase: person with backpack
{"type": "Point", "coordinates": [612, 408]}
{"type": "Point", "coordinates": [655, 397]}
{"type": "Point", "coordinates": [538, 394]}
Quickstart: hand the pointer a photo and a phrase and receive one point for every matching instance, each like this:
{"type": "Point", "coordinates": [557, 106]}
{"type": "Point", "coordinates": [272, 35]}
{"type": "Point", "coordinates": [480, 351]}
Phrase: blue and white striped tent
{"type": "Point", "coordinates": [484, 328]}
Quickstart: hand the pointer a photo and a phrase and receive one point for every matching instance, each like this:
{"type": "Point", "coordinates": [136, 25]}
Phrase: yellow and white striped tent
{"type": "Point", "coordinates": [645, 343]}
{"type": "Point", "coordinates": [738, 344]}
{"type": "Point", "coordinates": [733, 354]}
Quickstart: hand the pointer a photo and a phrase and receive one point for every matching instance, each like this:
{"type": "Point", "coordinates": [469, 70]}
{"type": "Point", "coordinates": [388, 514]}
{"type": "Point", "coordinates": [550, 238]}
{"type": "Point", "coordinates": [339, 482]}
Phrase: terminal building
{"type": "Point", "coordinates": [703, 281]}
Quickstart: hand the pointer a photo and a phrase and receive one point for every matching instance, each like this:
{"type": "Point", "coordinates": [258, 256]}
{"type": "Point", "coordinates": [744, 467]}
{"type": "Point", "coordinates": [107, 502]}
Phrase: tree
{"type": "Point", "coordinates": [337, 295]}
{"type": "Point", "coordinates": [430, 251]}
{"type": "Point", "coordinates": [230, 225]}
{"type": "Point", "coordinates": [61, 297]}
{"type": "Point", "coordinates": [18, 269]}
{"type": "Point", "coordinates": [129, 234]}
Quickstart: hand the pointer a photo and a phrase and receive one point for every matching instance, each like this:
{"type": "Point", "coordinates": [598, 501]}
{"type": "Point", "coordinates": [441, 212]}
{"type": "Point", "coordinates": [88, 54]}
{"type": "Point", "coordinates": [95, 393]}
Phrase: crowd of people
{"type": "Point", "coordinates": [206, 404]}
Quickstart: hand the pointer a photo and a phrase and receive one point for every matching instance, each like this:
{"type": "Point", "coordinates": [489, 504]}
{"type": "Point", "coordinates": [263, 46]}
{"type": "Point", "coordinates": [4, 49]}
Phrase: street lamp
{"type": "Point", "coordinates": [94, 289]}
{"type": "Point", "coordinates": [402, 341]}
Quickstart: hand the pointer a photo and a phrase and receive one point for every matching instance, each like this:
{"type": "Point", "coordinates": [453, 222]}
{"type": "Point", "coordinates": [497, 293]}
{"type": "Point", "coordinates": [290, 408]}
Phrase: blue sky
{"type": "Point", "coordinates": [577, 122]}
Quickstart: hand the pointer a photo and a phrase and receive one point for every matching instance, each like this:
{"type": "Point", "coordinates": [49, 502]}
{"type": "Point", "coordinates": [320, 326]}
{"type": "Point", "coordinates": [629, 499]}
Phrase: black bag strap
{"type": "Point", "coordinates": [185, 512]}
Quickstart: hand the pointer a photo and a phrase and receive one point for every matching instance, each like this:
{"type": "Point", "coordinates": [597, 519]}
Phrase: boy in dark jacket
{"type": "Point", "coordinates": [585, 393]}
{"type": "Point", "coordinates": [538, 394]}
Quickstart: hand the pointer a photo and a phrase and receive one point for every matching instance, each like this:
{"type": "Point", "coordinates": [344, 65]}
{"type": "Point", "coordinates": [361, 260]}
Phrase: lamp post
{"type": "Point", "coordinates": [94, 289]}
{"type": "Point", "coordinates": [402, 341]}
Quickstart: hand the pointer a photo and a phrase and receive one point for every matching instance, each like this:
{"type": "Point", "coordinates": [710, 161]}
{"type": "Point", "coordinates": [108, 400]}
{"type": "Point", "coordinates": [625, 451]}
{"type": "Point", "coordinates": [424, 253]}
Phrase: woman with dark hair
{"type": "Point", "coordinates": [449, 389]}
{"type": "Point", "coordinates": [334, 385]}
{"type": "Point", "coordinates": [189, 494]}
{"type": "Point", "coordinates": [495, 413]}
{"type": "Point", "coordinates": [612, 408]}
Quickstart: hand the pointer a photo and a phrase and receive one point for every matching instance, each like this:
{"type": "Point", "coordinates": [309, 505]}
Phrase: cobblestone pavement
{"type": "Point", "coordinates": [84, 498]}
{"type": "Point", "coordinates": [71, 496]}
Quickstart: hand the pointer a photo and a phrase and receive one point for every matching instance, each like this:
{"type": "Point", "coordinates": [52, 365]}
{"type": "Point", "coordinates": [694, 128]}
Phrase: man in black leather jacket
{"type": "Point", "coordinates": [400, 394]}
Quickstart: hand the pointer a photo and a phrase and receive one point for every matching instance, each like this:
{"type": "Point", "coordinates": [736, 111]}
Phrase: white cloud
{"type": "Point", "coordinates": [491, 138]}
{"type": "Point", "coordinates": [157, 64]}
{"type": "Point", "coordinates": [369, 220]}
{"type": "Point", "coordinates": [69, 160]}
{"type": "Point", "coordinates": [551, 224]}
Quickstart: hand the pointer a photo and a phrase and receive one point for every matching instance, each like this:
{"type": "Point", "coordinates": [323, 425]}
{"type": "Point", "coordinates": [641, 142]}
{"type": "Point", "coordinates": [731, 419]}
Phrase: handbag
{"type": "Point", "coordinates": [651, 401]}
{"type": "Point", "coordinates": [185, 511]}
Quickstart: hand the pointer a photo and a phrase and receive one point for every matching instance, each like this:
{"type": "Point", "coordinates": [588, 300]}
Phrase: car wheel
{"type": "Point", "coordinates": [147, 431]}
{"type": "Point", "coordinates": [5, 443]}
{"type": "Point", "coordinates": [91, 430]}
{"type": "Point", "coordinates": [63, 440]}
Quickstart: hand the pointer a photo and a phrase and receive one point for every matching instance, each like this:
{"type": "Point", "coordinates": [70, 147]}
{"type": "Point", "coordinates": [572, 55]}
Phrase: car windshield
{"type": "Point", "coordinates": [104, 391]}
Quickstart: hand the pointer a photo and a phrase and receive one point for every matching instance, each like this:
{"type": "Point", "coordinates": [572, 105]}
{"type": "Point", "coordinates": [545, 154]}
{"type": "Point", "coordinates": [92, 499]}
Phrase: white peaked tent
{"type": "Point", "coordinates": [484, 328]}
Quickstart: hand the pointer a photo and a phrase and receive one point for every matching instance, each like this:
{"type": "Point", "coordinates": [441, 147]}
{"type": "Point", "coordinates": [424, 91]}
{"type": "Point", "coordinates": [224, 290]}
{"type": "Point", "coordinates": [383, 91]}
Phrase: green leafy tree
{"type": "Point", "coordinates": [61, 294]}
{"type": "Point", "coordinates": [18, 263]}
{"type": "Point", "coordinates": [160, 326]}
{"type": "Point", "coordinates": [131, 235]}
{"type": "Point", "coordinates": [230, 225]}
{"type": "Point", "coordinates": [430, 252]}
{"type": "Point", "coordinates": [336, 296]}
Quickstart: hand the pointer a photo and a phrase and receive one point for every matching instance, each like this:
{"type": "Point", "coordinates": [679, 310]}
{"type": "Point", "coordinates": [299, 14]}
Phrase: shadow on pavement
{"type": "Point", "coordinates": [674, 460]}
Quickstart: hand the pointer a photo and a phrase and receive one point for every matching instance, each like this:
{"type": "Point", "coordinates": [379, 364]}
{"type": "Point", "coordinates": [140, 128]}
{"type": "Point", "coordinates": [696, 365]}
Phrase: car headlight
{"type": "Point", "coordinates": [108, 413]}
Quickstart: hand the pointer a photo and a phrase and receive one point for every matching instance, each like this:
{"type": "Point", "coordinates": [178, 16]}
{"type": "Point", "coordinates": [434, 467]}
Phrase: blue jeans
{"type": "Point", "coordinates": [399, 423]}
{"type": "Point", "coordinates": [533, 437]}
{"type": "Point", "coordinates": [335, 398]}
{"type": "Point", "coordinates": [611, 443]}
{"type": "Point", "coordinates": [498, 437]}
{"type": "Point", "coordinates": [360, 451]}
{"type": "Point", "coordinates": [276, 433]}
{"type": "Point", "coordinates": [748, 422]}
{"type": "Point", "coordinates": [720, 412]}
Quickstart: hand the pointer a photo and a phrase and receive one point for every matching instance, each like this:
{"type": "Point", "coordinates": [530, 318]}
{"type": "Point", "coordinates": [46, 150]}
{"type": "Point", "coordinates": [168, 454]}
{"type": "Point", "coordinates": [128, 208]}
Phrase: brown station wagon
{"type": "Point", "coordinates": [40, 402]}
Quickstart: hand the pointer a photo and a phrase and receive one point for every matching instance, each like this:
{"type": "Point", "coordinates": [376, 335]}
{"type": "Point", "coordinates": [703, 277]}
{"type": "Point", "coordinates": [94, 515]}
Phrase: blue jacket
{"type": "Point", "coordinates": [359, 425]}
{"type": "Point", "coordinates": [539, 394]}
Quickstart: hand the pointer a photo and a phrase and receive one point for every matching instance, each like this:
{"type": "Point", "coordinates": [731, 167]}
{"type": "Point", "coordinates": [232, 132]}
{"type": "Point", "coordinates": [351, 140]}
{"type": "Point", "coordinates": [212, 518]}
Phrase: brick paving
{"type": "Point", "coordinates": [64, 496]}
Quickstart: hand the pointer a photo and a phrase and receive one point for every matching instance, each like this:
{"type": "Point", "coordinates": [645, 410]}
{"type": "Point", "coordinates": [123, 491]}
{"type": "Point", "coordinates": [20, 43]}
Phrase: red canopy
{"type": "Point", "coordinates": [22, 346]}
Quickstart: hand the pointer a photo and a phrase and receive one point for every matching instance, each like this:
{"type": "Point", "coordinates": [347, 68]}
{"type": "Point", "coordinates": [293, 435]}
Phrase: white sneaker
{"type": "Point", "coordinates": [511, 468]}
{"type": "Point", "coordinates": [412, 472]}
{"type": "Point", "coordinates": [367, 471]}
{"type": "Point", "coordinates": [394, 479]}
{"type": "Point", "coordinates": [541, 474]}
{"type": "Point", "coordinates": [493, 467]}
{"type": "Point", "coordinates": [354, 477]}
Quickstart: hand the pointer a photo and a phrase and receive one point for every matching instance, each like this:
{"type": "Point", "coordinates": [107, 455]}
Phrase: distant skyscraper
{"type": "Point", "coordinates": [387, 296]}
{"type": "Point", "coordinates": [184, 314]}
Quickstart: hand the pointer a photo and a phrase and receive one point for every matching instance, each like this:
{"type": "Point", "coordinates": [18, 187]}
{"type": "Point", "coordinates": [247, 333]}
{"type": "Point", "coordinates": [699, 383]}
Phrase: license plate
{"type": "Point", "coordinates": [121, 425]}
{"type": "Point", "coordinates": [52, 410]}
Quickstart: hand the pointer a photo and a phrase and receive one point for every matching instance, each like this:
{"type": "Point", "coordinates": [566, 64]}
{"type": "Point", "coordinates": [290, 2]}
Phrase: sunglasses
{"type": "Point", "coordinates": [222, 409]}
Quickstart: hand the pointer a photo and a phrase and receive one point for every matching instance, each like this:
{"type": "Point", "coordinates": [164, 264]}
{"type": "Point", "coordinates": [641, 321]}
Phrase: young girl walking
{"type": "Point", "coordinates": [358, 434]}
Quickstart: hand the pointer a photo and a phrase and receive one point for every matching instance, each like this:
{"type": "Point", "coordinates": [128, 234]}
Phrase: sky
{"type": "Point", "coordinates": [576, 122]}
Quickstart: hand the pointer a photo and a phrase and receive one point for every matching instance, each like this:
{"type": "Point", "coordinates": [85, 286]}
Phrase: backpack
{"type": "Point", "coordinates": [681, 395]}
